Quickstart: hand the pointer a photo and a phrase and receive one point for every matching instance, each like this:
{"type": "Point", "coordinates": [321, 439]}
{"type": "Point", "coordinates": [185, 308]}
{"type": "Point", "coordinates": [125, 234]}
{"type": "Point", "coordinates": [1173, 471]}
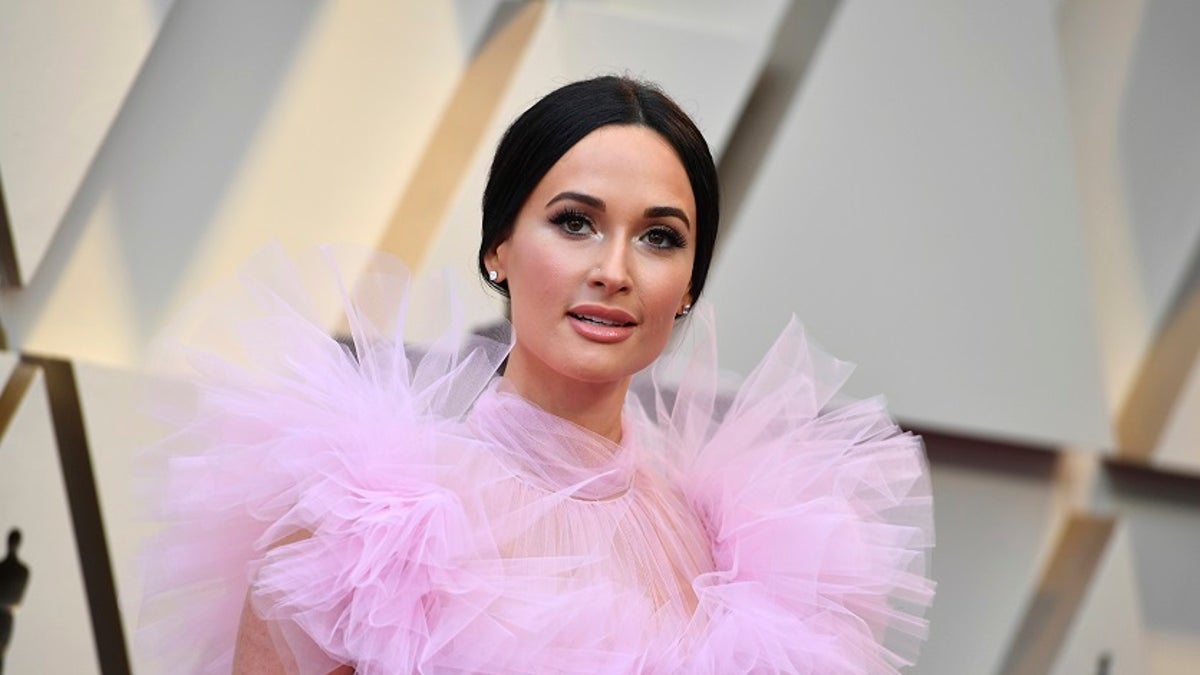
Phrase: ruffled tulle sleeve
{"type": "Point", "coordinates": [818, 508]}
{"type": "Point", "coordinates": [305, 469]}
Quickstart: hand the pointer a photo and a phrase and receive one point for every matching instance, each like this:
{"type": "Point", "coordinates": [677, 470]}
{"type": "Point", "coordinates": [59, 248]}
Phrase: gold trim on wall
{"type": "Point", "coordinates": [10, 269]}
{"type": "Point", "coordinates": [1060, 593]}
{"type": "Point", "coordinates": [19, 381]}
{"type": "Point", "coordinates": [427, 198]}
{"type": "Point", "coordinates": [1160, 380]}
{"type": "Point", "coordinates": [91, 542]}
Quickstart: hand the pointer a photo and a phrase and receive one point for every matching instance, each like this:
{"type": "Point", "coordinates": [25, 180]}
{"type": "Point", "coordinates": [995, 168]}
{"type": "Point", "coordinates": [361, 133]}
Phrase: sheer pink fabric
{"type": "Point", "coordinates": [449, 526]}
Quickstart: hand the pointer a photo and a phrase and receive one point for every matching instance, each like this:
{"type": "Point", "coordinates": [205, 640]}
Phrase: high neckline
{"type": "Point", "coordinates": [550, 452]}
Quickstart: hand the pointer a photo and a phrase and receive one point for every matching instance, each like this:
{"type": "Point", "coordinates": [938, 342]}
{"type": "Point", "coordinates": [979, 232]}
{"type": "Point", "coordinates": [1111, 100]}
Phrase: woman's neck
{"type": "Point", "coordinates": [591, 405]}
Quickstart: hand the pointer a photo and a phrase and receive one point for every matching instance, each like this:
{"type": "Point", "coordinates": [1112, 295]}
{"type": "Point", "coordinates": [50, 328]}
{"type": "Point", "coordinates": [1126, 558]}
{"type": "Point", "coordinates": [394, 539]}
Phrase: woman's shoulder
{"type": "Point", "coordinates": [298, 405]}
{"type": "Point", "coordinates": [819, 500]}
{"type": "Point", "coordinates": [296, 379]}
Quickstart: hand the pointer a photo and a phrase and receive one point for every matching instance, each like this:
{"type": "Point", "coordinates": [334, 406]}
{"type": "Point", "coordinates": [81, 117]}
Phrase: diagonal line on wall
{"type": "Point", "coordinates": [442, 166]}
{"type": "Point", "coordinates": [1060, 594]}
{"type": "Point", "coordinates": [1162, 377]}
{"type": "Point", "coordinates": [14, 392]}
{"type": "Point", "coordinates": [10, 270]}
{"type": "Point", "coordinates": [70, 434]}
{"type": "Point", "coordinates": [797, 39]}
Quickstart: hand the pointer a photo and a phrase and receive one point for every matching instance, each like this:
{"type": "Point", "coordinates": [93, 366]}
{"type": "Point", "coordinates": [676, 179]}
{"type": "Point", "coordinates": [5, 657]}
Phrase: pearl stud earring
{"type": "Point", "coordinates": [493, 275]}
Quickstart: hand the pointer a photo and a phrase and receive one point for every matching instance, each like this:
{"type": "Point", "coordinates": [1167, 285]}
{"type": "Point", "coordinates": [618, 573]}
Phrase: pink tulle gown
{"type": "Point", "coordinates": [398, 509]}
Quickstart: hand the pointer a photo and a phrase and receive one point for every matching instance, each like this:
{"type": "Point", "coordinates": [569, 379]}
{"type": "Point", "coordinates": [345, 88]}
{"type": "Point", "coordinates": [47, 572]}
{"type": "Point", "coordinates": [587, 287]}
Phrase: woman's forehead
{"type": "Point", "coordinates": [625, 162]}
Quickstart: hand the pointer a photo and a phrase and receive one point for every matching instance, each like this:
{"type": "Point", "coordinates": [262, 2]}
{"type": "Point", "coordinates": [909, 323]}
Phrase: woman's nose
{"type": "Point", "coordinates": [611, 270]}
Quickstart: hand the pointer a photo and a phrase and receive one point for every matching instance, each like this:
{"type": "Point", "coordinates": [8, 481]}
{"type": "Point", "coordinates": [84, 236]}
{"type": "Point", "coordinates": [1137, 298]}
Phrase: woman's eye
{"type": "Point", "coordinates": [664, 238]}
{"type": "Point", "coordinates": [573, 222]}
{"type": "Point", "coordinates": [576, 226]}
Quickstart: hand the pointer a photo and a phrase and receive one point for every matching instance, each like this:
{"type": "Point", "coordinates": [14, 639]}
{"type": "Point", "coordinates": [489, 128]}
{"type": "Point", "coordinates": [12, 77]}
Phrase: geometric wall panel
{"type": "Point", "coordinates": [987, 499]}
{"type": "Point", "coordinates": [249, 122]}
{"type": "Point", "coordinates": [1098, 39]}
{"type": "Point", "coordinates": [52, 631]}
{"type": "Point", "coordinates": [451, 145]}
{"type": "Point", "coordinates": [1161, 512]}
{"type": "Point", "coordinates": [1159, 142]}
{"type": "Point", "coordinates": [1161, 419]}
{"type": "Point", "coordinates": [1179, 446]}
{"type": "Point", "coordinates": [119, 427]}
{"type": "Point", "coordinates": [918, 212]}
{"type": "Point", "coordinates": [1106, 633]}
{"type": "Point", "coordinates": [65, 68]}
{"type": "Point", "coordinates": [1128, 74]}
{"type": "Point", "coordinates": [1084, 617]}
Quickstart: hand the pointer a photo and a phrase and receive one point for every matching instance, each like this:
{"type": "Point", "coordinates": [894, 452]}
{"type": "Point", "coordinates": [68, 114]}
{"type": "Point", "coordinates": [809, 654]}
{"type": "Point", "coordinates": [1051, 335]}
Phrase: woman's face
{"type": "Point", "coordinates": [600, 257]}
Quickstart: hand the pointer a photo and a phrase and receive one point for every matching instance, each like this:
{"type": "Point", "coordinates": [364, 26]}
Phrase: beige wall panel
{"type": "Point", "coordinates": [1159, 141]}
{"type": "Point", "coordinates": [708, 62]}
{"type": "Point", "coordinates": [1158, 416]}
{"type": "Point", "coordinates": [1098, 39]}
{"type": "Point", "coordinates": [52, 629]}
{"type": "Point", "coordinates": [296, 121]}
{"type": "Point", "coordinates": [1179, 445]}
{"type": "Point", "coordinates": [1134, 151]}
{"type": "Point", "coordinates": [1171, 653]}
{"type": "Point", "coordinates": [918, 211]}
{"type": "Point", "coordinates": [1161, 512]}
{"type": "Point", "coordinates": [8, 361]}
{"type": "Point", "coordinates": [422, 207]}
{"type": "Point", "coordinates": [1106, 635]}
{"type": "Point", "coordinates": [114, 405]}
{"type": "Point", "coordinates": [996, 516]}
{"type": "Point", "coordinates": [65, 68]}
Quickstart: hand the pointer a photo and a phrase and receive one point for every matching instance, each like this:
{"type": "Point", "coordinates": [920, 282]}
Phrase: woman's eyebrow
{"type": "Point", "coordinates": [594, 202]}
{"type": "Point", "coordinates": [667, 212]}
{"type": "Point", "coordinates": [599, 205]}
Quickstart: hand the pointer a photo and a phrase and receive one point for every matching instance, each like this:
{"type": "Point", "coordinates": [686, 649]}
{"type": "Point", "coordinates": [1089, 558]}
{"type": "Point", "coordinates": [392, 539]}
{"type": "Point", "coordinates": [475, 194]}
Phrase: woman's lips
{"type": "Point", "coordinates": [602, 324]}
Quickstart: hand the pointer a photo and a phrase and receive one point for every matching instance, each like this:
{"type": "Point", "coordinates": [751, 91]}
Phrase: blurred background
{"type": "Point", "coordinates": [991, 206]}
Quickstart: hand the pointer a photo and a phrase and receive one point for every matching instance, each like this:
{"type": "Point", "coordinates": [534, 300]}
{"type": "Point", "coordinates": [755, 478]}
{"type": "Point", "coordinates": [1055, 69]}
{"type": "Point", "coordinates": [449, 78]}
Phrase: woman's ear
{"type": "Point", "coordinates": [685, 305]}
{"type": "Point", "coordinates": [494, 261]}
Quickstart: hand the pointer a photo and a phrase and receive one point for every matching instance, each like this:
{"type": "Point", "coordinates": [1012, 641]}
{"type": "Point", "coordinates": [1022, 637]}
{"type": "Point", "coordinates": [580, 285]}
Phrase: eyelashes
{"type": "Point", "coordinates": [574, 222]}
{"type": "Point", "coordinates": [664, 237]}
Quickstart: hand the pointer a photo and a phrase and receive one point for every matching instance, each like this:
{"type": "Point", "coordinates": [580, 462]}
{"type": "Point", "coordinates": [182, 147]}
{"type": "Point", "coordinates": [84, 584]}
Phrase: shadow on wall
{"type": "Point", "coordinates": [1160, 149]}
{"type": "Point", "coordinates": [175, 148]}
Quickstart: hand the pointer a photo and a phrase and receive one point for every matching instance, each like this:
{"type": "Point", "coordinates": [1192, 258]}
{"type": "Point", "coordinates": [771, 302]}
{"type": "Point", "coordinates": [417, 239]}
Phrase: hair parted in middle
{"type": "Point", "coordinates": [559, 120]}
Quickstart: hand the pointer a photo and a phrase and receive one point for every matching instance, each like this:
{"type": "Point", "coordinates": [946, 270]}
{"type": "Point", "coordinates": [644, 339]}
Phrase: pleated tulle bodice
{"type": "Point", "coordinates": [574, 495]}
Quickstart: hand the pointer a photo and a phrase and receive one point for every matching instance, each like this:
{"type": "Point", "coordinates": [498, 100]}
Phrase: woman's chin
{"type": "Point", "coordinates": [596, 372]}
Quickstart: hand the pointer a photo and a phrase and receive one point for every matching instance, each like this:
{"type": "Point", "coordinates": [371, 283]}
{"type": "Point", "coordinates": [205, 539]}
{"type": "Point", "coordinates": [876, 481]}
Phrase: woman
{"type": "Point", "coordinates": [405, 512]}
